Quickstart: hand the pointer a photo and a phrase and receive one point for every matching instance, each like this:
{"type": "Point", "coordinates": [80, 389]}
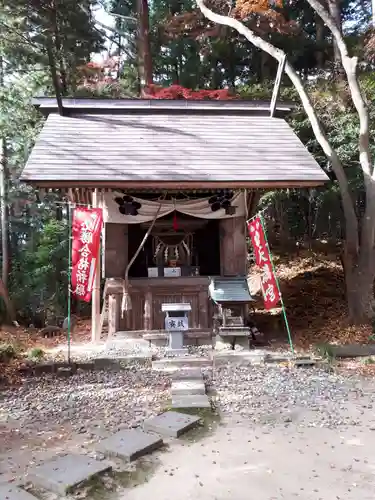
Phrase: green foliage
{"type": "Point", "coordinates": [41, 292]}
{"type": "Point", "coordinates": [38, 228]}
{"type": "Point", "coordinates": [36, 354]}
{"type": "Point", "coordinates": [317, 213]}
{"type": "Point", "coordinates": [201, 56]}
{"type": "Point", "coordinates": [7, 353]}
{"type": "Point", "coordinates": [326, 351]}
{"type": "Point", "coordinates": [368, 361]}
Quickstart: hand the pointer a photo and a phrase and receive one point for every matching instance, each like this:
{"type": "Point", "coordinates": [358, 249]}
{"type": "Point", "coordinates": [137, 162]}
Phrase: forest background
{"type": "Point", "coordinates": [170, 49]}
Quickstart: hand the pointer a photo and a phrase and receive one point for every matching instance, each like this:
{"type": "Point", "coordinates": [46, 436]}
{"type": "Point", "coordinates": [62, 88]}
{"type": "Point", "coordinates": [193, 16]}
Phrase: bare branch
{"type": "Point", "coordinates": [278, 54]}
{"type": "Point", "coordinates": [350, 66]}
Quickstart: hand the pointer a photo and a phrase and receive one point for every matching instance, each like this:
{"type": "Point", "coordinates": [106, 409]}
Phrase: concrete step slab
{"type": "Point", "coordinates": [130, 444]}
{"type": "Point", "coordinates": [188, 374]}
{"type": "Point", "coordinates": [351, 350]}
{"type": "Point", "coordinates": [171, 423]}
{"type": "Point", "coordinates": [11, 492]}
{"type": "Point", "coordinates": [188, 387]}
{"type": "Point", "coordinates": [120, 362]}
{"type": "Point", "coordinates": [62, 474]}
{"type": "Point", "coordinates": [180, 362]}
{"type": "Point", "coordinates": [188, 402]}
{"type": "Point", "coordinates": [304, 361]}
{"type": "Point", "coordinates": [278, 357]}
{"type": "Point", "coordinates": [240, 357]}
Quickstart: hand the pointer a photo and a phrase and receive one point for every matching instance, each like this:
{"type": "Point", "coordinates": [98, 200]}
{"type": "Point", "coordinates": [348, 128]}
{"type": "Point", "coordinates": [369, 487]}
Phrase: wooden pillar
{"type": "Point", "coordinates": [116, 250]}
{"type": "Point", "coordinates": [113, 314]}
{"type": "Point", "coordinates": [203, 306]}
{"type": "Point", "coordinates": [232, 246]}
{"type": "Point", "coordinates": [147, 324]}
{"type": "Point", "coordinates": [95, 301]}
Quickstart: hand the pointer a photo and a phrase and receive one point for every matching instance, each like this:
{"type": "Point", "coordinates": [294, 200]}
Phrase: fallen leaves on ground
{"type": "Point", "coordinates": [26, 339]}
{"type": "Point", "coordinates": [357, 366]}
{"type": "Point", "coordinates": [313, 291]}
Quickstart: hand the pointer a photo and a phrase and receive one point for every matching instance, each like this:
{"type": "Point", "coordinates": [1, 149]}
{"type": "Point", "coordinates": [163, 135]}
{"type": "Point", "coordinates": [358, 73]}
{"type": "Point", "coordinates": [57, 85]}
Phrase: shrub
{"type": "Point", "coordinates": [7, 352]}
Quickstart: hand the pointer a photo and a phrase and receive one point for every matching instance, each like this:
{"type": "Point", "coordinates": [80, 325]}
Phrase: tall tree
{"type": "Point", "coordinates": [34, 31]}
{"type": "Point", "coordinates": [359, 231]}
{"type": "Point", "coordinates": [145, 43]}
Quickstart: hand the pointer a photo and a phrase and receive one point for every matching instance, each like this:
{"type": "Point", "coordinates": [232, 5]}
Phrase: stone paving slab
{"type": "Point", "coordinates": [188, 387]}
{"type": "Point", "coordinates": [62, 474]}
{"type": "Point", "coordinates": [130, 444]}
{"type": "Point", "coordinates": [171, 423]}
{"type": "Point", "coordinates": [11, 492]}
{"type": "Point", "coordinates": [197, 401]}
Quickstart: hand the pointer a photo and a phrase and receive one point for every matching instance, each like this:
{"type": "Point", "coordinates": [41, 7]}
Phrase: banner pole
{"type": "Point", "coordinates": [69, 280]}
{"type": "Point", "coordinates": [277, 284]}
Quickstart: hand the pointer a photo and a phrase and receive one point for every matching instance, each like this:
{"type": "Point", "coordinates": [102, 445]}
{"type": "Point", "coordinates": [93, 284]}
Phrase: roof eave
{"type": "Point", "coordinates": [153, 106]}
{"type": "Point", "coordinates": [162, 185]}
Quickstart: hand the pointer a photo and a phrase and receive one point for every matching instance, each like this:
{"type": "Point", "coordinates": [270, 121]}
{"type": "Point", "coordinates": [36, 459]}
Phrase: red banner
{"type": "Point", "coordinates": [271, 294]}
{"type": "Point", "coordinates": [86, 228]}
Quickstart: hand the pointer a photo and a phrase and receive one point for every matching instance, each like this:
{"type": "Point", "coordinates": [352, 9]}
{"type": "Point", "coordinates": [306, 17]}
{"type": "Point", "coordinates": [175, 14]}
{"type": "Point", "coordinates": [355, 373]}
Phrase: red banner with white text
{"type": "Point", "coordinates": [86, 228]}
{"type": "Point", "coordinates": [271, 294]}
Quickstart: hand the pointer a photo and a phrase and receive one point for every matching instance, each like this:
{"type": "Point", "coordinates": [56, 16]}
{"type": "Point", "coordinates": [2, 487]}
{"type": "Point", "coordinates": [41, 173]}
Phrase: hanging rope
{"type": "Point", "coordinates": [126, 303]}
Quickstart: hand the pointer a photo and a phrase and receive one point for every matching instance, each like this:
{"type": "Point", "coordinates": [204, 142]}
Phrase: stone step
{"type": "Point", "coordinates": [119, 362]}
{"type": "Point", "coordinates": [190, 334]}
{"type": "Point", "coordinates": [12, 492]}
{"type": "Point", "coordinates": [188, 374]}
{"type": "Point", "coordinates": [278, 357]}
{"type": "Point", "coordinates": [180, 362]}
{"type": "Point", "coordinates": [130, 444]}
{"type": "Point", "coordinates": [188, 402]}
{"type": "Point", "coordinates": [239, 357]}
{"type": "Point", "coordinates": [234, 331]}
{"type": "Point", "coordinates": [188, 387]}
{"type": "Point", "coordinates": [62, 474]}
{"type": "Point", "coordinates": [171, 423]}
{"type": "Point", "coordinates": [304, 361]}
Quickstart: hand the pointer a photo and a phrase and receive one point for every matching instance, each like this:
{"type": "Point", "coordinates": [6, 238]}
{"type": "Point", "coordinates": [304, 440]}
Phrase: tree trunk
{"type": "Point", "coordinates": [265, 67]}
{"type": "Point", "coordinates": [8, 304]}
{"type": "Point", "coordinates": [4, 213]}
{"type": "Point", "coordinates": [3, 196]}
{"type": "Point", "coordinates": [319, 27]}
{"type": "Point", "coordinates": [144, 44]}
{"type": "Point", "coordinates": [334, 7]}
{"type": "Point", "coordinates": [360, 293]}
{"type": "Point", "coordinates": [55, 79]}
{"type": "Point", "coordinates": [359, 245]}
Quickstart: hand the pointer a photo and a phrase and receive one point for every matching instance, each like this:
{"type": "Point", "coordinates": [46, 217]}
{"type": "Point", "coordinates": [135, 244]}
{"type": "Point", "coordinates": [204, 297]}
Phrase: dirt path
{"type": "Point", "coordinates": [239, 462]}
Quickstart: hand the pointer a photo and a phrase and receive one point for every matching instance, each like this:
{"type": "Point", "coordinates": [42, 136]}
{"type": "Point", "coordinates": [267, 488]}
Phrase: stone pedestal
{"type": "Point", "coordinates": [176, 344]}
{"type": "Point", "coordinates": [176, 340]}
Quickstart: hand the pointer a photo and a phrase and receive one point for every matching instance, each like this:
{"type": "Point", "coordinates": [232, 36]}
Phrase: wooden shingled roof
{"type": "Point", "coordinates": [132, 144]}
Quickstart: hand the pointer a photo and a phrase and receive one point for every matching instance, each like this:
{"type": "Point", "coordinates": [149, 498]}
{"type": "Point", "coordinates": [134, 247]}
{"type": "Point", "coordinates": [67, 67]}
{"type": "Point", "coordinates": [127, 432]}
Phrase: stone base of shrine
{"type": "Point", "coordinates": [197, 336]}
{"type": "Point", "coordinates": [147, 296]}
{"type": "Point", "coordinates": [159, 338]}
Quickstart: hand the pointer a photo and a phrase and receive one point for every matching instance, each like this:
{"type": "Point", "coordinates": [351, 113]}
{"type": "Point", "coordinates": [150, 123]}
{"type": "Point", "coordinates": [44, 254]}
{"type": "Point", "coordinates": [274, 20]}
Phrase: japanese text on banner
{"type": "Point", "coordinates": [271, 294]}
{"type": "Point", "coordinates": [86, 228]}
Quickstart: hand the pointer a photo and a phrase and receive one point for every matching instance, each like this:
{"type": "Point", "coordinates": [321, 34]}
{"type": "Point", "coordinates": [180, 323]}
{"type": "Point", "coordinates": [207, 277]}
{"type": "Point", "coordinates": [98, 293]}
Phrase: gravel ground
{"type": "Point", "coordinates": [309, 397]}
{"type": "Point", "coordinates": [289, 405]}
{"type": "Point", "coordinates": [86, 400]}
